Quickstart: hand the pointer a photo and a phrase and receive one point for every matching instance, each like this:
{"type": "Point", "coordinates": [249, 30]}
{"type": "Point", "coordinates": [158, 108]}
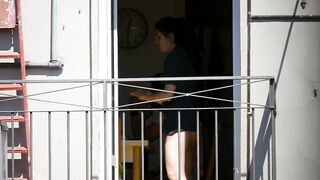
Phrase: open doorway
{"type": "Point", "coordinates": [210, 26]}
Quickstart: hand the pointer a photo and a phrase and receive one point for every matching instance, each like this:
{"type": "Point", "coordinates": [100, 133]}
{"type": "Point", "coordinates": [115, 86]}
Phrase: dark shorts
{"type": "Point", "coordinates": [188, 121]}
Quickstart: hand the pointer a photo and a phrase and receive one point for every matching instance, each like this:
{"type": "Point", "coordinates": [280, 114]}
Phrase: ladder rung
{"type": "Point", "coordinates": [22, 150]}
{"type": "Point", "coordinates": [12, 26]}
{"type": "Point", "coordinates": [10, 87]}
{"type": "Point", "coordinates": [8, 118]}
{"type": "Point", "coordinates": [17, 179]}
{"type": "Point", "coordinates": [6, 55]}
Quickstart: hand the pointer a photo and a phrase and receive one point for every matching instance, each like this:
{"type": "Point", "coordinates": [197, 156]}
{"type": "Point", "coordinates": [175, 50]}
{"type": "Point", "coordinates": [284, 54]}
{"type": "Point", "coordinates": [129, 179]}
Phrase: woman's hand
{"type": "Point", "coordinates": [160, 97]}
{"type": "Point", "coordinates": [139, 93]}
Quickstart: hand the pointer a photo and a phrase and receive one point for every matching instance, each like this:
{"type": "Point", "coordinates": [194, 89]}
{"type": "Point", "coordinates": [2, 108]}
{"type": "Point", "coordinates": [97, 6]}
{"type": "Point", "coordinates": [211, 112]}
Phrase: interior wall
{"type": "Point", "coordinates": [130, 60]}
{"type": "Point", "coordinates": [145, 60]}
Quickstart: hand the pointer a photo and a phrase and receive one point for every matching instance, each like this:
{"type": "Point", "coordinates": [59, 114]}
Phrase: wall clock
{"type": "Point", "coordinates": [132, 28]}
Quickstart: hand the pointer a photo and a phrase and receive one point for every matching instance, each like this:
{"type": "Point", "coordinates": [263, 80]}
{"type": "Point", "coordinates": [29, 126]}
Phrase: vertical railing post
{"type": "Point", "coordinates": [216, 143]}
{"type": "Point", "coordinates": [124, 145]}
{"type": "Point", "coordinates": [115, 153]}
{"type": "Point", "coordinates": [142, 145]}
{"type": "Point", "coordinates": [107, 130]}
{"type": "Point", "coordinates": [272, 106]}
{"type": "Point", "coordinates": [12, 147]}
{"type": "Point", "coordinates": [248, 142]}
{"type": "Point", "coordinates": [105, 169]}
{"type": "Point", "coordinates": [253, 146]}
{"type": "Point", "coordinates": [31, 145]}
{"type": "Point", "coordinates": [49, 143]}
{"type": "Point", "coordinates": [105, 150]}
{"type": "Point", "coordinates": [179, 145]}
{"type": "Point", "coordinates": [104, 143]}
{"type": "Point", "coordinates": [198, 147]}
{"type": "Point", "coordinates": [161, 149]}
{"type": "Point", "coordinates": [68, 145]}
{"type": "Point", "coordinates": [88, 146]}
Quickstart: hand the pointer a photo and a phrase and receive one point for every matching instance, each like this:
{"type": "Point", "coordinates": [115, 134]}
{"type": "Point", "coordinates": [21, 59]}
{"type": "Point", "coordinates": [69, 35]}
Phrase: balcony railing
{"type": "Point", "coordinates": [75, 138]}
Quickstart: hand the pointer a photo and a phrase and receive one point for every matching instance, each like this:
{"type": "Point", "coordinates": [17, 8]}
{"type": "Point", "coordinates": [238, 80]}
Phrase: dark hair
{"type": "Point", "coordinates": [178, 27]}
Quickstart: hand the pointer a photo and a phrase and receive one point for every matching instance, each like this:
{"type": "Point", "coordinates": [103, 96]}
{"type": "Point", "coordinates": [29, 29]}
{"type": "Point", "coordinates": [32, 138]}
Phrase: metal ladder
{"type": "Point", "coordinates": [11, 26]}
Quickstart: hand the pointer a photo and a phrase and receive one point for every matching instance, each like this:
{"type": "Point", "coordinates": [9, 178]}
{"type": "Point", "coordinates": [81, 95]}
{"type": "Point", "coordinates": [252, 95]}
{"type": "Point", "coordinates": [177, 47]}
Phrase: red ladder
{"type": "Point", "coordinates": [11, 21]}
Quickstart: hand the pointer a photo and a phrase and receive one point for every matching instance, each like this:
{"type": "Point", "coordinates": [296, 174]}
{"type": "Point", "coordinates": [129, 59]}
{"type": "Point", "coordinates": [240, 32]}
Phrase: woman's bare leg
{"type": "Point", "coordinates": [187, 143]}
{"type": "Point", "coordinates": [171, 156]}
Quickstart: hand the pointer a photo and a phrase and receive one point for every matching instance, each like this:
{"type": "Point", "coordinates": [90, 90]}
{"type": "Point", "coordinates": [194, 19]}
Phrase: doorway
{"type": "Point", "coordinates": [210, 25]}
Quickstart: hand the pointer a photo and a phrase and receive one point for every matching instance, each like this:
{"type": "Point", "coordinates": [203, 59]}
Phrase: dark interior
{"type": "Point", "coordinates": [210, 26]}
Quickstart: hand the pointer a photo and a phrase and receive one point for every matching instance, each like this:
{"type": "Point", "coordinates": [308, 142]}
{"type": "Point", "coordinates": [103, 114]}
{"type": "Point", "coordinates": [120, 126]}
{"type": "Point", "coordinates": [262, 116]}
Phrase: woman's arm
{"type": "Point", "coordinates": [157, 95]}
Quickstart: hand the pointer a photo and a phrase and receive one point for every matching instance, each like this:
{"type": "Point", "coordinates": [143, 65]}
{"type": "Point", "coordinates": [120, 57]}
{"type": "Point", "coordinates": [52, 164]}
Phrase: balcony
{"type": "Point", "coordinates": [80, 129]}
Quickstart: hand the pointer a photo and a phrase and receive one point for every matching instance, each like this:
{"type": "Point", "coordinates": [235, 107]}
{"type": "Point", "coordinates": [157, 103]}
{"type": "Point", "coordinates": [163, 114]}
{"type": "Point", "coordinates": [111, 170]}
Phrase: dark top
{"type": "Point", "coordinates": [178, 64]}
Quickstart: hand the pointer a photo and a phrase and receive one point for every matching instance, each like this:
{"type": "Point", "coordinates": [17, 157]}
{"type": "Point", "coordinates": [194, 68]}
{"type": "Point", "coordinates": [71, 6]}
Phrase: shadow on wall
{"type": "Point", "coordinates": [44, 71]}
{"type": "Point", "coordinates": [9, 39]}
{"type": "Point", "coordinates": [262, 147]}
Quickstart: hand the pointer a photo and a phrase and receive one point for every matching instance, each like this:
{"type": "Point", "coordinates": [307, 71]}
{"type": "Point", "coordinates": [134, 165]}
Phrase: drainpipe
{"type": "Point", "coordinates": [54, 31]}
{"type": "Point", "coordinates": [54, 62]}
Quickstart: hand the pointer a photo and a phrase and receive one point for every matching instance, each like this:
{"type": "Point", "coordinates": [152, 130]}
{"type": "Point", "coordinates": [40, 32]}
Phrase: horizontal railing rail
{"type": "Point", "coordinates": [144, 79]}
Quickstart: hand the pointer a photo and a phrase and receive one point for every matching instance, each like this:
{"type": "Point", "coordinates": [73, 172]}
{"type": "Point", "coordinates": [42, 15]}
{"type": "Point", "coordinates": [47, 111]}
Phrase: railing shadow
{"type": "Point", "coordinates": [262, 146]}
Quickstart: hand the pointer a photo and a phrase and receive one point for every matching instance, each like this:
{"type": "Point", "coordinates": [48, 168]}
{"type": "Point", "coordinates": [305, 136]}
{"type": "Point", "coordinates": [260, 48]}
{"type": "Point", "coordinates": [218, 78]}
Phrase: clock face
{"type": "Point", "coordinates": [132, 28]}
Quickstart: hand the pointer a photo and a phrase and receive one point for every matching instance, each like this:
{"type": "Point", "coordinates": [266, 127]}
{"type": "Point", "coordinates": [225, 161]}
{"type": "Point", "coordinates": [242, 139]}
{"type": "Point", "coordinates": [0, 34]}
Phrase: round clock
{"type": "Point", "coordinates": [132, 28]}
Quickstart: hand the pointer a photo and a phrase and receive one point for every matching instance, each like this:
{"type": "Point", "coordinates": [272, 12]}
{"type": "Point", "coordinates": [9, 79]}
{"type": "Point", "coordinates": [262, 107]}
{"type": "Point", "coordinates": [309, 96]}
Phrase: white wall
{"type": "Point", "coordinates": [290, 52]}
{"type": "Point", "coordinates": [74, 51]}
{"type": "Point", "coordinates": [73, 48]}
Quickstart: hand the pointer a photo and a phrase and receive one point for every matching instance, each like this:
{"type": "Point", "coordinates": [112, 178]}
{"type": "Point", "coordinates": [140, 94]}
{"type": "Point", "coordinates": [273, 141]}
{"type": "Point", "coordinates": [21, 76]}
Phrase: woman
{"type": "Point", "coordinates": [171, 37]}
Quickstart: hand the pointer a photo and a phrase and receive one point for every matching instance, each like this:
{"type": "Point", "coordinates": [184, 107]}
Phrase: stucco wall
{"type": "Point", "coordinates": [73, 49]}
{"type": "Point", "coordinates": [290, 52]}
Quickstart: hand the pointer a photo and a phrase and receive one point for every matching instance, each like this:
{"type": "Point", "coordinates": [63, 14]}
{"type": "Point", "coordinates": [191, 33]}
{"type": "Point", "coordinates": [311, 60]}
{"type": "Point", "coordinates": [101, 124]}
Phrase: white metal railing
{"type": "Point", "coordinates": [85, 114]}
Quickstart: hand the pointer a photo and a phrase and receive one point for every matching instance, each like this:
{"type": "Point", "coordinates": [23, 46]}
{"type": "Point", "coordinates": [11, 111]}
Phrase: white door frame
{"type": "Point", "coordinates": [108, 58]}
{"type": "Point", "coordinates": [237, 89]}
{"type": "Point", "coordinates": [110, 42]}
